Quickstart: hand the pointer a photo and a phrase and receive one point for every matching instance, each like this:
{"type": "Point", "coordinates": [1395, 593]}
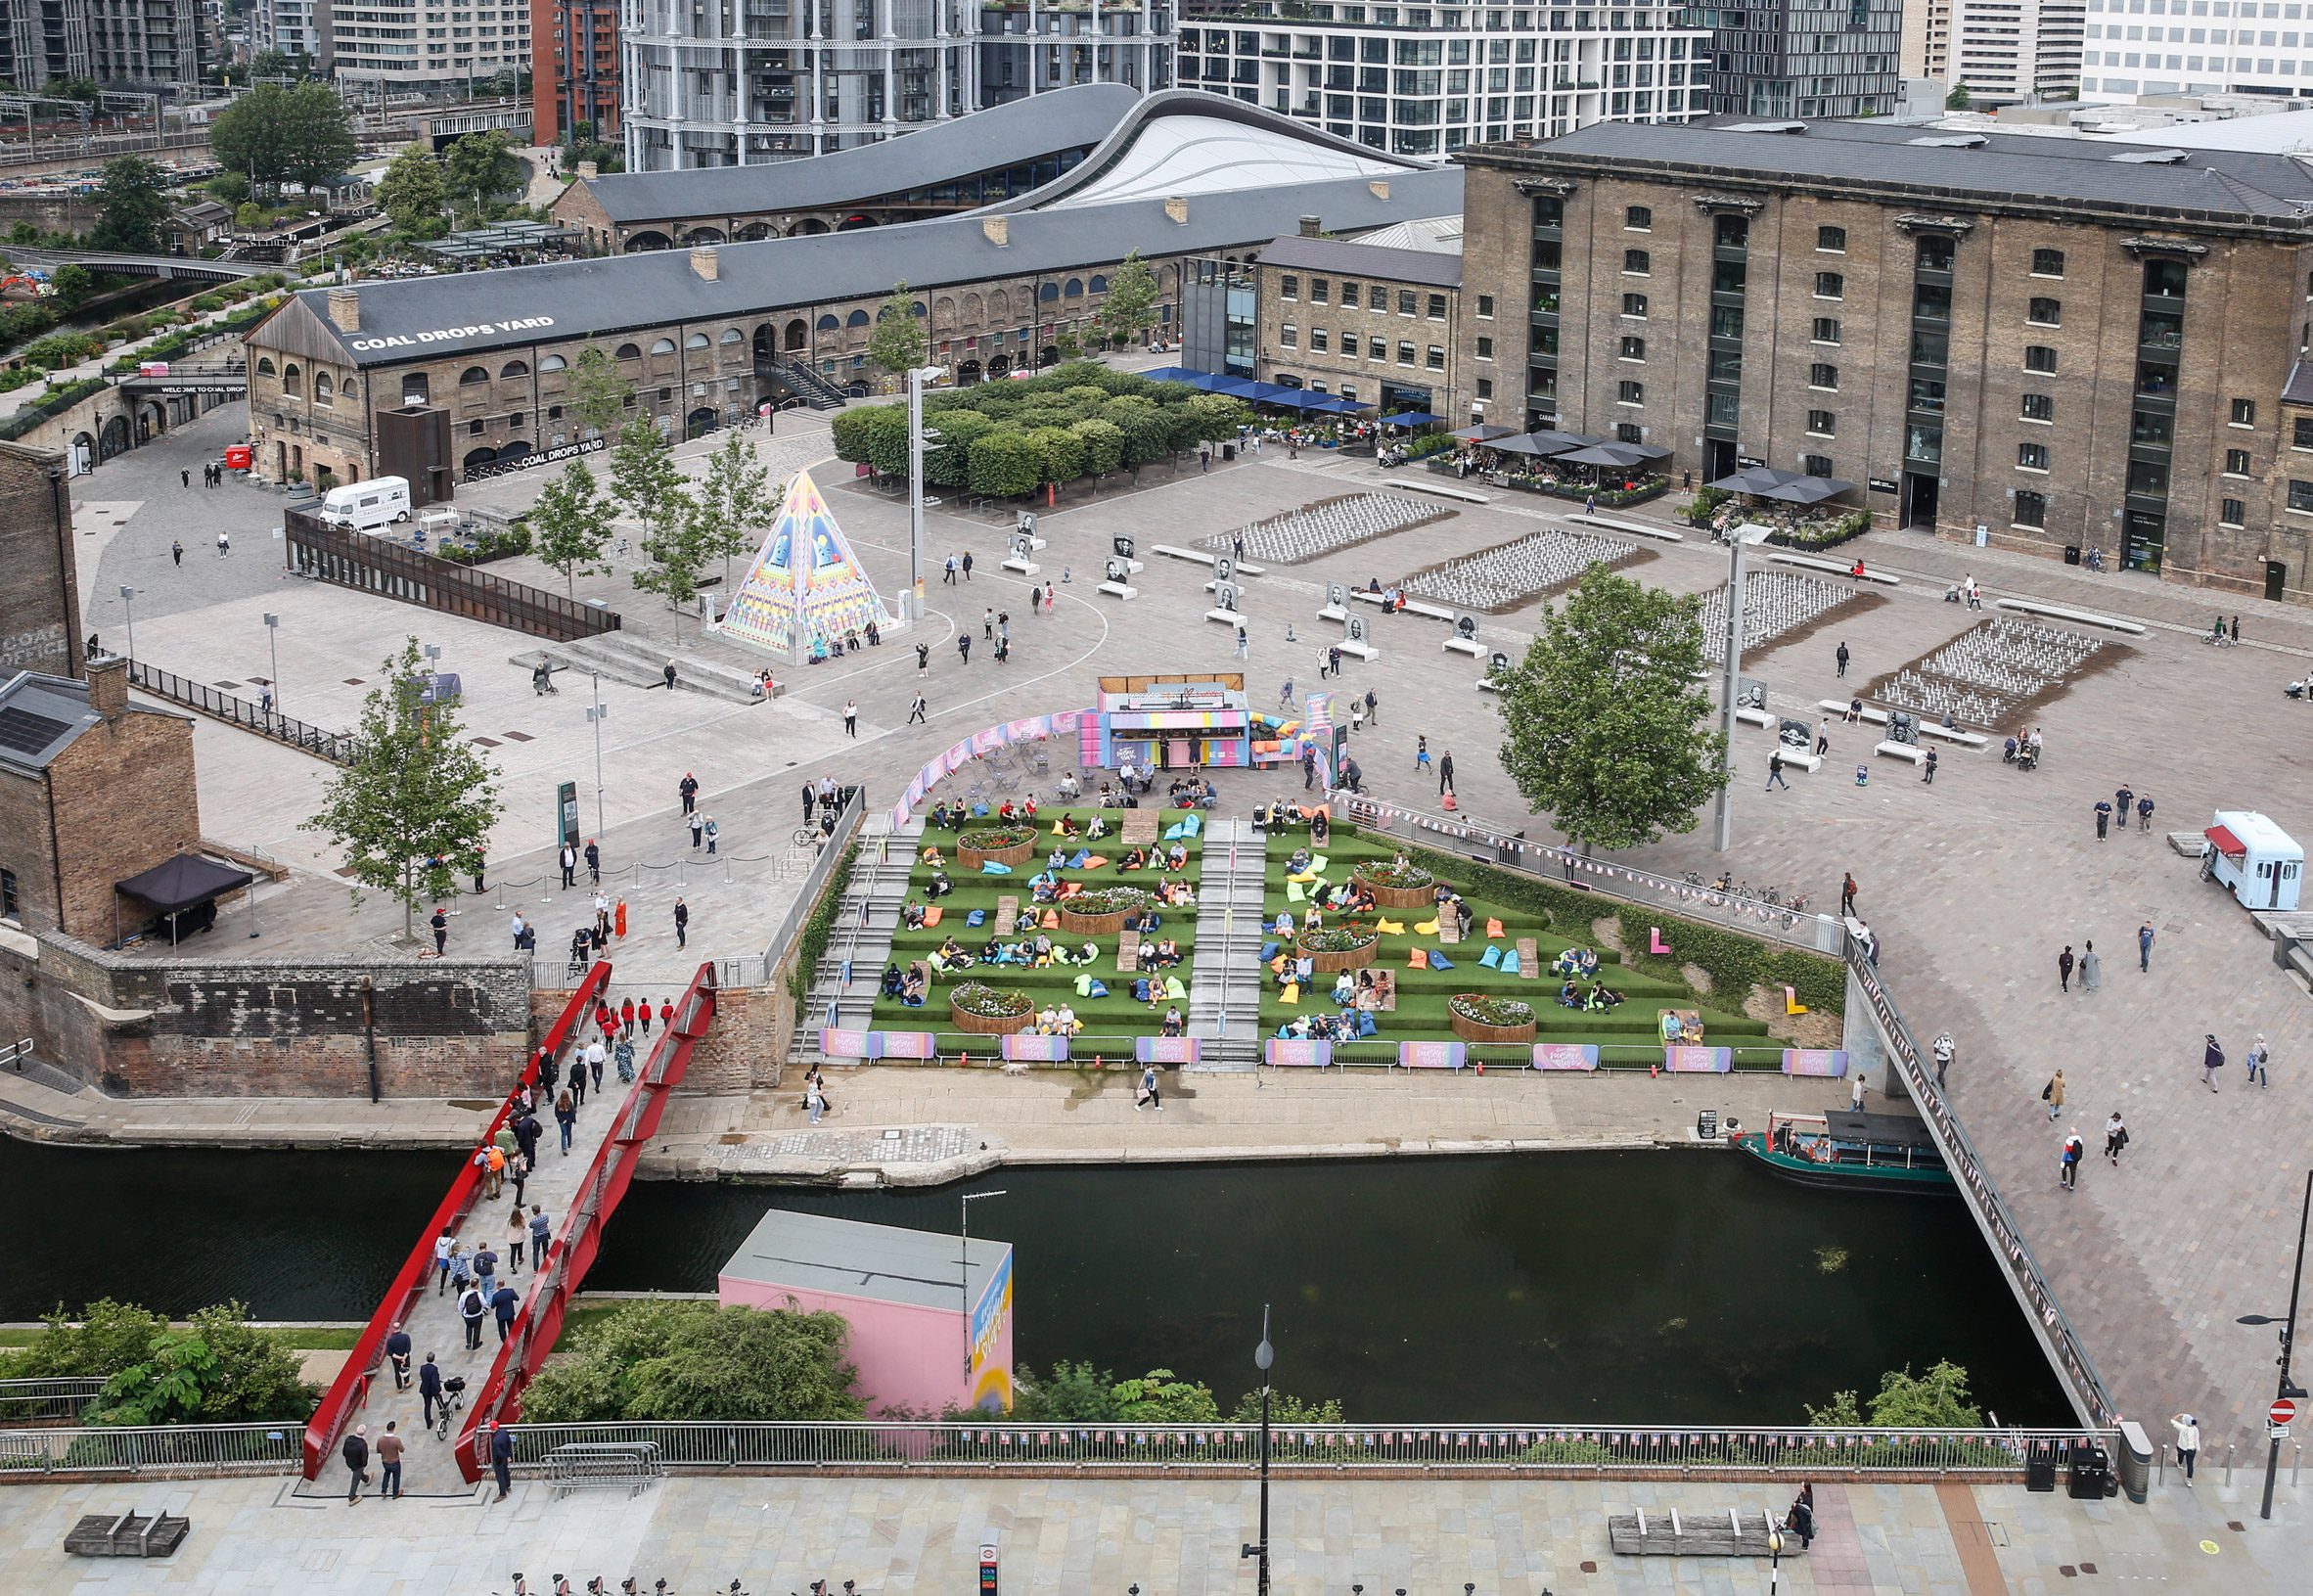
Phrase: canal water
{"type": "Point", "coordinates": [1577, 1286]}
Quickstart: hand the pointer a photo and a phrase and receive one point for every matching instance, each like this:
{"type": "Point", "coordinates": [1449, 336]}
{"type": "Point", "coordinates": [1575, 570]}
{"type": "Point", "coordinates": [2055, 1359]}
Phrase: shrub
{"type": "Point", "coordinates": [1103, 445]}
{"type": "Point", "coordinates": [1705, 505]}
{"type": "Point", "coordinates": [1488, 1010]}
{"type": "Point", "coordinates": [812, 942]}
{"type": "Point", "coordinates": [1107, 900]}
{"type": "Point", "coordinates": [995, 838]}
{"type": "Point", "coordinates": [1336, 939]}
{"type": "Point", "coordinates": [1389, 872]}
{"type": "Point", "coordinates": [675, 1360]}
{"type": "Point", "coordinates": [992, 1002]}
{"type": "Point", "coordinates": [1006, 464]}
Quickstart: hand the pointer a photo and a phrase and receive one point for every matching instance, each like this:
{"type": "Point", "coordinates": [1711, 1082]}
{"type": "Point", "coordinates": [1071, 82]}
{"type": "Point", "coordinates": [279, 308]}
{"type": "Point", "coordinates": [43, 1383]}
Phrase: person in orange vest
{"type": "Point", "coordinates": [619, 920]}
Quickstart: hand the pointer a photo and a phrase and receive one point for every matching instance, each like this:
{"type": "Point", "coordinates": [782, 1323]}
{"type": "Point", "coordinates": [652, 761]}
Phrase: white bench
{"type": "Point", "coordinates": [1228, 618]}
{"type": "Point", "coordinates": [1411, 607]}
{"type": "Point", "coordinates": [1121, 590]}
{"type": "Point", "coordinates": [1798, 758]}
{"type": "Point", "coordinates": [2058, 611]}
{"type": "Point", "coordinates": [1754, 717]}
{"type": "Point", "coordinates": [1812, 562]}
{"type": "Point", "coordinates": [1442, 490]}
{"type": "Point", "coordinates": [1927, 728]}
{"type": "Point", "coordinates": [1902, 750]}
{"type": "Point", "coordinates": [1466, 645]}
{"type": "Point", "coordinates": [1204, 558]}
{"type": "Point", "coordinates": [1026, 568]}
{"type": "Point", "coordinates": [1641, 528]}
{"type": "Point", "coordinates": [1364, 650]}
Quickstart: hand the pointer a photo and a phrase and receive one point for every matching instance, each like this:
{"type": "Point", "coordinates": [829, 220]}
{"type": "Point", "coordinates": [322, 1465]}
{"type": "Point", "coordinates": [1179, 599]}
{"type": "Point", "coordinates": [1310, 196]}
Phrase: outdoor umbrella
{"type": "Point", "coordinates": [1411, 418]}
{"type": "Point", "coordinates": [1483, 433]}
{"type": "Point", "coordinates": [1235, 387]}
{"type": "Point", "coordinates": [1172, 374]}
{"type": "Point", "coordinates": [1809, 490]}
{"type": "Point", "coordinates": [1760, 480]}
{"type": "Point", "coordinates": [1606, 454]}
{"type": "Point", "coordinates": [1523, 444]}
{"type": "Point", "coordinates": [1550, 441]}
{"type": "Point", "coordinates": [1277, 393]}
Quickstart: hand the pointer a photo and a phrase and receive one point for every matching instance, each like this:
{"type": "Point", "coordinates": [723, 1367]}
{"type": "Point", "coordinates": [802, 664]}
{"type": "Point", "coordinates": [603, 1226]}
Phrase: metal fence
{"type": "Point", "coordinates": [330, 554]}
{"type": "Point", "coordinates": [338, 748]}
{"type": "Point", "coordinates": [2065, 1347]}
{"type": "Point", "coordinates": [29, 1401]}
{"type": "Point", "coordinates": [1143, 1450]}
{"type": "Point", "coordinates": [161, 1450]}
{"type": "Point", "coordinates": [850, 813]}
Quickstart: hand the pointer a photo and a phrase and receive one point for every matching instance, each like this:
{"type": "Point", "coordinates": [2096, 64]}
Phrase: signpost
{"type": "Point", "coordinates": [2282, 1411]}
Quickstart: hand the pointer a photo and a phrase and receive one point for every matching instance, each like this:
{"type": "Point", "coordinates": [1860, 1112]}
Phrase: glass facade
{"type": "Point", "coordinates": [1780, 58]}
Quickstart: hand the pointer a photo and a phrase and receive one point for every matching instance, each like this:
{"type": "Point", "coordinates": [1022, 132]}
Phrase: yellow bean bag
{"type": "Point", "coordinates": [1292, 991]}
{"type": "Point", "coordinates": [1427, 927]}
{"type": "Point", "coordinates": [1390, 927]}
{"type": "Point", "coordinates": [1303, 879]}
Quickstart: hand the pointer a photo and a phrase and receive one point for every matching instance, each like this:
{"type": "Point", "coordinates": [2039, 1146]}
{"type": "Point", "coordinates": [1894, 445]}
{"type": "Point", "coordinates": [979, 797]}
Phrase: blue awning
{"type": "Point", "coordinates": [1237, 387]}
{"type": "Point", "coordinates": [1412, 417]}
{"type": "Point", "coordinates": [1172, 374]}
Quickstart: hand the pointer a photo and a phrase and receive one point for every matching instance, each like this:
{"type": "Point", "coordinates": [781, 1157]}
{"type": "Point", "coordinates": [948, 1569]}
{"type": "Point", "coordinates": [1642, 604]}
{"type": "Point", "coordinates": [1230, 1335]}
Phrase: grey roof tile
{"type": "Point", "coordinates": [1352, 259]}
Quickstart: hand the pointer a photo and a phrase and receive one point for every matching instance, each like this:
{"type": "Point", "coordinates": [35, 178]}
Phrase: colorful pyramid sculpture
{"type": "Point", "coordinates": [805, 584]}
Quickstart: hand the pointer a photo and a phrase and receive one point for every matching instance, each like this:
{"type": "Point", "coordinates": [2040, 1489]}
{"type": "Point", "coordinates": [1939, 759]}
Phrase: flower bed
{"type": "Point", "coordinates": [1333, 948]}
{"type": "Point", "coordinates": [994, 844]}
{"type": "Point", "coordinates": [1100, 912]}
{"type": "Point", "coordinates": [988, 1011]}
{"type": "Point", "coordinates": [1397, 887]}
{"type": "Point", "coordinates": [1479, 1016]}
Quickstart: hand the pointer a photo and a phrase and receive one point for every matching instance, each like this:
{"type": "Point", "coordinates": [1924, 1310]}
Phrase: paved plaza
{"type": "Point", "coordinates": [1971, 884]}
{"type": "Point", "coordinates": [1091, 1538]}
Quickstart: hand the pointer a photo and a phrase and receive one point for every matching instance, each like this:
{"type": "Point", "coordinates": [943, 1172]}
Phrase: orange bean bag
{"type": "Point", "coordinates": [1494, 928]}
{"type": "Point", "coordinates": [931, 917]}
{"type": "Point", "coordinates": [1050, 919]}
{"type": "Point", "coordinates": [1419, 959]}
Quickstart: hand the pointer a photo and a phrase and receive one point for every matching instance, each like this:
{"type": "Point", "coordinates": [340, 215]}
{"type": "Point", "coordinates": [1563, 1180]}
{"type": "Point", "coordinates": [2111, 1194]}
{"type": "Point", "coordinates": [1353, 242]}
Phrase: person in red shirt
{"type": "Point", "coordinates": [626, 1017]}
{"type": "Point", "coordinates": [643, 1012]}
{"type": "Point", "coordinates": [666, 1013]}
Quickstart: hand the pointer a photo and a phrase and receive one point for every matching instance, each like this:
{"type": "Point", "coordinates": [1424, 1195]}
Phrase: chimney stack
{"type": "Point", "coordinates": [588, 171]}
{"type": "Point", "coordinates": [705, 263]}
{"type": "Point", "coordinates": [998, 230]}
{"type": "Point", "coordinates": [108, 685]}
{"type": "Point", "coordinates": [1379, 187]}
{"type": "Point", "coordinates": [345, 310]}
{"type": "Point", "coordinates": [1312, 227]}
{"type": "Point", "coordinates": [1177, 207]}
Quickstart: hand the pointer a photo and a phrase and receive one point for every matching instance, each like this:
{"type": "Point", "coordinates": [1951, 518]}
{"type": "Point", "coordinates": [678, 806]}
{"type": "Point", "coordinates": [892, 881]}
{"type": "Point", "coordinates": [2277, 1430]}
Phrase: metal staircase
{"type": "Point", "coordinates": [803, 382]}
{"type": "Point", "coordinates": [862, 934]}
{"type": "Point", "coordinates": [1228, 972]}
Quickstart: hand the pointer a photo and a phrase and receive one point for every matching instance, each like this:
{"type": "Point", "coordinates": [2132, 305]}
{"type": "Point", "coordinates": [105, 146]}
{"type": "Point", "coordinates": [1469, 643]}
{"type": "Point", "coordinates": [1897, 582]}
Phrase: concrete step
{"type": "Point", "coordinates": [635, 664]}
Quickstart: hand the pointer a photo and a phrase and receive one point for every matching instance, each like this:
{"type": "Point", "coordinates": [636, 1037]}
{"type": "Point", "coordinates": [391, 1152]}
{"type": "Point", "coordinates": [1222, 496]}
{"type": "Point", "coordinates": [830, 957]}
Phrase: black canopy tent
{"type": "Point", "coordinates": [183, 890]}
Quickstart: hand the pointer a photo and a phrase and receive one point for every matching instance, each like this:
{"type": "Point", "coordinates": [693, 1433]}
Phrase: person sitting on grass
{"type": "Point", "coordinates": [1067, 1024]}
{"type": "Point", "coordinates": [940, 885]}
{"type": "Point", "coordinates": [1069, 827]}
{"type": "Point", "coordinates": [1006, 812]}
{"type": "Point", "coordinates": [1569, 996]}
{"type": "Point", "coordinates": [1298, 863]}
{"type": "Point", "coordinates": [1312, 919]}
{"type": "Point", "coordinates": [1097, 830]}
{"type": "Point", "coordinates": [911, 994]}
{"type": "Point", "coordinates": [1047, 1019]}
{"type": "Point", "coordinates": [1057, 859]}
{"type": "Point", "coordinates": [1168, 953]}
{"type": "Point", "coordinates": [1344, 989]}
{"type": "Point", "coordinates": [894, 980]}
{"type": "Point", "coordinates": [1284, 922]}
{"type": "Point", "coordinates": [931, 857]}
{"type": "Point", "coordinates": [952, 955]}
{"type": "Point", "coordinates": [1177, 856]}
{"type": "Point", "coordinates": [1603, 997]}
{"type": "Point", "coordinates": [1144, 958]}
{"type": "Point", "coordinates": [1028, 809]}
{"type": "Point", "coordinates": [1172, 1022]}
{"type": "Point", "coordinates": [1089, 953]}
{"type": "Point", "coordinates": [912, 916]}
{"type": "Point", "coordinates": [1133, 860]}
{"type": "Point", "coordinates": [1320, 828]}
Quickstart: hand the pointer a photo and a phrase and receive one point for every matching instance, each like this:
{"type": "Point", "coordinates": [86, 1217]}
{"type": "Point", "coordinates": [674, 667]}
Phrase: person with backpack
{"type": "Point", "coordinates": [541, 1236]}
{"type": "Point", "coordinates": [2068, 1162]}
{"type": "Point", "coordinates": [473, 1309]}
{"type": "Point", "coordinates": [1800, 1519]}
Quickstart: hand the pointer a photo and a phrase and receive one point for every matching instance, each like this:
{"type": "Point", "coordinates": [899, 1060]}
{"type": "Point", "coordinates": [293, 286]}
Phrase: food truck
{"type": "Point", "coordinates": [2254, 859]}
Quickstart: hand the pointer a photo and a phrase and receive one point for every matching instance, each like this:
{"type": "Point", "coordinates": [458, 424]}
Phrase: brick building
{"type": "Point", "coordinates": [573, 69]}
{"type": "Point", "coordinates": [1367, 322]}
{"type": "Point", "coordinates": [94, 790]}
{"type": "Point", "coordinates": [36, 570]}
{"type": "Point", "coordinates": [2054, 342]}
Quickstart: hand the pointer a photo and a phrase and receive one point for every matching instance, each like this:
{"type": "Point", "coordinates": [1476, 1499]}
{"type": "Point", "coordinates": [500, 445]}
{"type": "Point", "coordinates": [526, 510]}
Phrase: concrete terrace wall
{"type": "Point", "coordinates": [289, 1027]}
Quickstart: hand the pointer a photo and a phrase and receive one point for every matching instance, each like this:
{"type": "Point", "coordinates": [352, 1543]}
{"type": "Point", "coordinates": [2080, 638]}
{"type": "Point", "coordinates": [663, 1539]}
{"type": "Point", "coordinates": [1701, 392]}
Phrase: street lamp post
{"type": "Point", "coordinates": [964, 1269]}
{"type": "Point", "coordinates": [1739, 539]}
{"type": "Point", "coordinates": [273, 648]}
{"type": "Point", "coordinates": [1774, 1560]}
{"type": "Point", "coordinates": [1263, 1356]}
{"type": "Point", "coordinates": [595, 713]}
{"type": "Point", "coordinates": [128, 607]}
{"type": "Point", "coordinates": [2288, 1335]}
{"type": "Point", "coordinates": [918, 437]}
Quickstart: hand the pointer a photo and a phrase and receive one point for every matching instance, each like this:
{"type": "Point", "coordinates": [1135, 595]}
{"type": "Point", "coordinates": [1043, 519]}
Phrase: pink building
{"type": "Point", "coordinates": [919, 1307]}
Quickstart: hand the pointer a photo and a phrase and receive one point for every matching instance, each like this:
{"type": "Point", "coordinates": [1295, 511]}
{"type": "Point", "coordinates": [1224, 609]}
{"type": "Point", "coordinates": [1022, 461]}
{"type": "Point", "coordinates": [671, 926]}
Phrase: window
{"type": "Point", "coordinates": [1629, 432]}
{"type": "Point", "coordinates": [7, 904]}
{"type": "Point", "coordinates": [2043, 312]}
{"type": "Point", "coordinates": [1288, 286]}
{"type": "Point", "coordinates": [1405, 301]}
{"type": "Point", "coordinates": [1290, 336]}
{"type": "Point", "coordinates": [2031, 457]}
{"type": "Point", "coordinates": [1639, 219]}
{"type": "Point", "coordinates": [665, 346]}
{"type": "Point", "coordinates": [2038, 407]}
{"type": "Point", "coordinates": [1634, 305]}
{"type": "Point", "coordinates": [1320, 290]}
{"type": "Point", "coordinates": [1632, 348]}
{"type": "Point", "coordinates": [1349, 295]}
{"type": "Point", "coordinates": [1405, 354]}
{"type": "Point", "coordinates": [1435, 357]}
{"type": "Point", "coordinates": [1830, 284]}
{"type": "Point", "coordinates": [696, 340]}
{"type": "Point", "coordinates": [1815, 465]}
{"type": "Point", "coordinates": [472, 374]}
{"type": "Point", "coordinates": [1437, 309]}
{"type": "Point", "coordinates": [1485, 387]}
{"type": "Point", "coordinates": [552, 362]}
{"type": "Point", "coordinates": [1377, 299]}
{"type": "Point", "coordinates": [1823, 376]}
{"type": "Point", "coordinates": [1317, 341]}
{"type": "Point", "coordinates": [1831, 240]}
{"type": "Point", "coordinates": [2237, 462]}
{"type": "Point", "coordinates": [2039, 358]}
{"type": "Point", "coordinates": [2031, 509]}
{"type": "Point", "coordinates": [1349, 343]}
{"type": "Point", "coordinates": [325, 390]}
{"type": "Point", "coordinates": [1485, 307]}
{"type": "Point", "coordinates": [1485, 348]}
{"type": "Point", "coordinates": [2302, 432]}
{"type": "Point", "coordinates": [2048, 263]}
{"type": "Point", "coordinates": [2300, 495]}
{"type": "Point", "coordinates": [1637, 264]}
{"type": "Point", "coordinates": [1378, 349]}
{"type": "Point", "coordinates": [2245, 413]}
{"type": "Point", "coordinates": [2232, 513]}
{"type": "Point", "coordinates": [1632, 394]}
{"type": "Point", "coordinates": [1822, 424]}
{"type": "Point", "coordinates": [1827, 329]}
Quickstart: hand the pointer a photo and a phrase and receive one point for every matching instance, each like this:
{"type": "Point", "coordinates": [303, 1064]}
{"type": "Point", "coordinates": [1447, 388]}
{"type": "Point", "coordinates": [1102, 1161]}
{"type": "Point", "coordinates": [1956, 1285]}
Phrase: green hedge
{"type": "Point", "coordinates": [812, 944]}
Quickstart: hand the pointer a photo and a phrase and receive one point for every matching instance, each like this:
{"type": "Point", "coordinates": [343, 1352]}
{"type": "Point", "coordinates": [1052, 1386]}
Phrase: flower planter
{"type": "Point", "coordinates": [986, 1024]}
{"type": "Point", "coordinates": [1091, 925]}
{"type": "Point", "coordinates": [1328, 961]}
{"type": "Point", "coordinates": [1479, 1030]}
{"type": "Point", "coordinates": [1400, 897]}
{"type": "Point", "coordinates": [968, 857]}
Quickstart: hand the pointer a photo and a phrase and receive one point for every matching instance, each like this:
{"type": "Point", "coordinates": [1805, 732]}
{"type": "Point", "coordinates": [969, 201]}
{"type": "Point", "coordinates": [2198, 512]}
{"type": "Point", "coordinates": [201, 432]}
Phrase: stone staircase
{"type": "Point", "coordinates": [862, 932]}
{"type": "Point", "coordinates": [1229, 943]}
{"type": "Point", "coordinates": [619, 658]}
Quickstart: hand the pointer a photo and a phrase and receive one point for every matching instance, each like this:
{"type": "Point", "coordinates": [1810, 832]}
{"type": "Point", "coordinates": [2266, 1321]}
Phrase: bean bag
{"type": "Point", "coordinates": [1174, 990]}
{"type": "Point", "coordinates": [1390, 927]}
{"type": "Point", "coordinates": [1081, 858]}
{"type": "Point", "coordinates": [1319, 863]}
{"type": "Point", "coordinates": [1268, 952]}
{"type": "Point", "coordinates": [1084, 985]}
{"type": "Point", "coordinates": [1491, 958]}
{"type": "Point", "coordinates": [978, 917]}
{"type": "Point", "coordinates": [1059, 830]}
{"type": "Point", "coordinates": [1100, 989]}
{"type": "Point", "coordinates": [1305, 878]}
{"type": "Point", "coordinates": [1493, 928]}
{"type": "Point", "coordinates": [1096, 861]}
{"type": "Point", "coordinates": [994, 867]}
{"type": "Point", "coordinates": [1285, 1032]}
{"type": "Point", "coordinates": [1294, 892]}
{"type": "Point", "coordinates": [981, 811]}
{"type": "Point", "coordinates": [1051, 921]}
{"type": "Point", "coordinates": [1427, 927]}
{"type": "Point", "coordinates": [1277, 964]}
{"type": "Point", "coordinates": [1510, 965]}
{"type": "Point", "coordinates": [1439, 960]}
{"type": "Point", "coordinates": [1417, 960]}
{"type": "Point", "coordinates": [1365, 1023]}
{"type": "Point", "coordinates": [931, 917]}
{"type": "Point", "coordinates": [1292, 991]}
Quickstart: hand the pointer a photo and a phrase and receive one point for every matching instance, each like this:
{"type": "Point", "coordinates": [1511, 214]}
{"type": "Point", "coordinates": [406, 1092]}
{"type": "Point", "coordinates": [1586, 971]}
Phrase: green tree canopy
{"type": "Point", "coordinates": [274, 135]}
{"type": "Point", "coordinates": [1960, 99]}
{"type": "Point", "coordinates": [571, 525]}
{"type": "Point", "coordinates": [414, 192]}
{"type": "Point", "coordinates": [480, 167]}
{"type": "Point", "coordinates": [416, 804]}
{"type": "Point", "coordinates": [1934, 1400]}
{"type": "Point", "coordinates": [1602, 721]}
{"type": "Point", "coordinates": [1131, 302]}
{"type": "Point", "coordinates": [734, 503]}
{"type": "Point", "coordinates": [673, 1360]}
{"type": "Point", "coordinates": [219, 1369]}
{"type": "Point", "coordinates": [132, 202]}
{"type": "Point", "coordinates": [107, 1337]}
{"type": "Point", "coordinates": [898, 341]}
{"type": "Point", "coordinates": [599, 394]}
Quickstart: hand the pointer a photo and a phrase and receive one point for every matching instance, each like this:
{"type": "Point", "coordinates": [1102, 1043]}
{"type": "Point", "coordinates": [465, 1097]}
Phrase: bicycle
{"type": "Point", "coordinates": [452, 1400]}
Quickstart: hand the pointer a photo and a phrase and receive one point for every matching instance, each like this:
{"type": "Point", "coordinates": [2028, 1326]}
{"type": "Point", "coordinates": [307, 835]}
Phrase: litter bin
{"type": "Point", "coordinates": [1229, 452]}
{"type": "Point", "coordinates": [2091, 1473]}
{"type": "Point", "coordinates": [2136, 1460]}
{"type": "Point", "coordinates": [2040, 1466]}
{"type": "Point", "coordinates": [2071, 553]}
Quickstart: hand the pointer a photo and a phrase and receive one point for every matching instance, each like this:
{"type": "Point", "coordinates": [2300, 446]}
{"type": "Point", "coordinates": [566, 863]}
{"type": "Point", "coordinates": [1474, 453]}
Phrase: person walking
{"type": "Point", "coordinates": [698, 824]}
{"type": "Point", "coordinates": [642, 1012]}
{"type": "Point", "coordinates": [444, 1245]}
{"type": "Point", "coordinates": [577, 1087]}
{"type": "Point", "coordinates": [389, 1461]}
{"type": "Point", "coordinates": [626, 1017]}
{"type": "Point", "coordinates": [1856, 1086]}
{"type": "Point", "coordinates": [1843, 658]}
{"type": "Point", "coordinates": [441, 931]}
{"type": "Point", "coordinates": [1333, 660]}
{"type": "Point", "coordinates": [473, 1309]}
{"type": "Point", "coordinates": [541, 1236]}
{"type": "Point", "coordinates": [916, 712]}
{"type": "Point", "coordinates": [2064, 969]}
{"type": "Point", "coordinates": [2144, 814]}
{"type": "Point", "coordinates": [810, 801]}
{"type": "Point", "coordinates": [2068, 1162]}
{"type": "Point", "coordinates": [1945, 1047]}
{"type": "Point", "coordinates": [1848, 893]}
{"type": "Point", "coordinates": [568, 859]}
{"type": "Point", "coordinates": [713, 835]}
{"type": "Point", "coordinates": [682, 920]}
{"type": "Point", "coordinates": [224, 544]}
{"type": "Point", "coordinates": [2188, 1443]}
{"type": "Point", "coordinates": [566, 1116]}
{"type": "Point", "coordinates": [2122, 801]}
{"type": "Point", "coordinates": [504, 1304]}
{"type": "Point", "coordinates": [397, 1350]}
{"type": "Point", "coordinates": [968, 565]}
{"type": "Point", "coordinates": [1445, 772]}
{"type": "Point", "coordinates": [502, 1457]}
{"type": "Point", "coordinates": [2092, 969]}
{"type": "Point", "coordinates": [2104, 817]}
{"type": "Point", "coordinates": [597, 1055]}
{"type": "Point", "coordinates": [851, 719]}
{"type": "Point", "coordinates": [2255, 1058]}
{"type": "Point", "coordinates": [356, 1452]}
{"type": "Point", "coordinates": [2143, 946]}
{"type": "Point", "coordinates": [1421, 755]}
{"type": "Point", "coordinates": [1309, 769]}
{"type": "Point", "coordinates": [518, 1165]}
{"type": "Point", "coordinates": [2116, 1138]}
{"type": "Point", "coordinates": [1284, 694]}
{"type": "Point", "coordinates": [1373, 708]}
{"type": "Point", "coordinates": [428, 1391]}
{"type": "Point", "coordinates": [485, 1268]}
{"type": "Point", "coordinates": [1204, 457]}
{"type": "Point", "coordinates": [1150, 1089]}
{"type": "Point", "coordinates": [2212, 1059]}
{"type": "Point", "coordinates": [689, 788]}
{"type": "Point", "coordinates": [987, 624]}
{"type": "Point", "coordinates": [922, 658]}
{"type": "Point", "coordinates": [666, 1013]}
{"type": "Point", "coordinates": [964, 648]}
{"type": "Point", "coordinates": [185, 475]}
{"type": "Point", "coordinates": [177, 552]}
{"type": "Point", "coordinates": [624, 1055]}
{"type": "Point", "coordinates": [814, 1099]}
{"type": "Point", "coordinates": [948, 574]}
{"type": "Point", "coordinates": [669, 674]}
{"type": "Point", "coordinates": [1775, 776]}
{"type": "Point", "coordinates": [518, 1234]}
{"type": "Point", "coordinates": [1927, 770]}
{"type": "Point", "coordinates": [2053, 1094]}
{"type": "Point", "coordinates": [1823, 737]}
{"type": "Point", "coordinates": [1243, 645]}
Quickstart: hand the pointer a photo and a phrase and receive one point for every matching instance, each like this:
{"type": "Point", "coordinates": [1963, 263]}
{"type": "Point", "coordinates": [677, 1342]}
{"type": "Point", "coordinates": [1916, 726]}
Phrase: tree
{"type": "Point", "coordinates": [897, 342]}
{"type": "Point", "coordinates": [271, 63]}
{"type": "Point", "coordinates": [644, 479]}
{"type": "Point", "coordinates": [1132, 299]}
{"type": "Point", "coordinates": [132, 202]}
{"type": "Point", "coordinates": [673, 1360]}
{"type": "Point", "coordinates": [418, 802]}
{"type": "Point", "coordinates": [480, 167]}
{"type": "Point", "coordinates": [599, 394]}
{"type": "Point", "coordinates": [228, 188]}
{"type": "Point", "coordinates": [733, 502]}
{"type": "Point", "coordinates": [1602, 721]}
{"type": "Point", "coordinates": [571, 524]}
{"type": "Point", "coordinates": [413, 193]}
{"type": "Point", "coordinates": [1006, 464]}
{"type": "Point", "coordinates": [1160, 1396]}
{"type": "Point", "coordinates": [219, 1369]}
{"type": "Point", "coordinates": [71, 282]}
{"type": "Point", "coordinates": [276, 135]}
{"type": "Point", "coordinates": [1934, 1400]}
{"type": "Point", "coordinates": [1959, 99]}
{"type": "Point", "coordinates": [109, 1336]}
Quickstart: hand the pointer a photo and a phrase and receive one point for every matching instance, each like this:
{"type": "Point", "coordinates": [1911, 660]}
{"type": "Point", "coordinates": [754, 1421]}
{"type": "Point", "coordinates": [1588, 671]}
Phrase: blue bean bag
{"type": "Point", "coordinates": [1491, 958]}
{"type": "Point", "coordinates": [981, 811]}
{"type": "Point", "coordinates": [1099, 989]}
{"type": "Point", "coordinates": [1083, 857]}
{"type": "Point", "coordinates": [1365, 1023]}
{"type": "Point", "coordinates": [1439, 960]}
{"type": "Point", "coordinates": [1268, 951]}
{"type": "Point", "coordinates": [992, 868]}
{"type": "Point", "coordinates": [978, 917]}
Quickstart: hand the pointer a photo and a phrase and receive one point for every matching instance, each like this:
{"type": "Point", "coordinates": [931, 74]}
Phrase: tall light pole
{"type": "Point", "coordinates": [918, 437]}
{"type": "Point", "coordinates": [595, 713]}
{"type": "Point", "coordinates": [1263, 1356]}
{"type": "Point", "coordinates": [273, 647]}
{"type": "Point", "coordinates": [1741, 538]}
{"type": "Point", "coordinates": [1774, 1560]}
{"type": "Point", "coordinates": [2288, 1335]}
{"type": "Point", "coordinates": [964, 1269]}
{"type": "Point", "coordinates": [128, 606]}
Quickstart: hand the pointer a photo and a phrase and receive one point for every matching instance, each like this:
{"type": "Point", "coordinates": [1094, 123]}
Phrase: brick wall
{"type": "Point", "coordinates": [746, 1046]}
{"type": "Point", "coordinates": [42, 629]}
{"type": "Point", "coordinates": [124, 799]}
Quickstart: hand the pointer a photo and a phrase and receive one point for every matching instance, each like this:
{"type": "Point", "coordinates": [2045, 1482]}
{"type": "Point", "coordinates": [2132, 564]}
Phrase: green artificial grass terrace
{"type": "Point", "coordinates": [1115, 1014]}
{"type": "Point", "coordinates": [1422, 1014]}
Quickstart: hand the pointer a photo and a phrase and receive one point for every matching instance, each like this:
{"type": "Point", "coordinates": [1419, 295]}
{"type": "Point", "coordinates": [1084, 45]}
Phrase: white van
{"type": "Point", "coordinates": [364, 506]}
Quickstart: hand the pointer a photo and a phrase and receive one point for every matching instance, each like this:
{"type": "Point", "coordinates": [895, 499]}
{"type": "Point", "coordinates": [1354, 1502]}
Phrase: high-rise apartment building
{"type": "Point", "coordinates": [723, 84]}
{"type": "Point", "coordinates": [1429, 79]}
{"type": "Point", "coordinates": [1803, 58]}
{"type": "Point", "coordinates": [574, 68]}
{"type": "Point", "coordinates": [424, 44]}
{"type": "Point", "coordinates": [291, 26]}
{"type": "Point", "coordinates": [2154, 47]}
{"type": "Point", "coordinates": [124, 42]}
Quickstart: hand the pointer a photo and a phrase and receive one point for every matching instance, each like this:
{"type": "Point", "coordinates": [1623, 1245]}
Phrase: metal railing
{"type": "Point", "coordinates": [848, 816]}
{"type": "Point", "coordinates": [373, 564]}
{"type": "Point", "coordinates": [1130, 1450]}
{"type": "Point", "coordinates": [2062, 1343]}
{"type": "Point", "coordinates": [160, 1451]}
{"type": "Point", "coordinates": [338, 748]}
{"type": "Point", "coordinates": [29, 1401]}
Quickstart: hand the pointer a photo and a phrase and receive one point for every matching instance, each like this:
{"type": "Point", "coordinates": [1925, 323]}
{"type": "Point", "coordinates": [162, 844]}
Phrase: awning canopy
{"type": "Point", "coordinates": [183, 881]}
{"type": "Point", "coordinates": [1485, 432]}
{"type": "Point", "coordinates": [1612, 454]}
{"type": "Point", "coordinates": [1524, 443]}
{"type": "Point", "coordinates": [1237, 387]}
{"type": "Point", "coordinates": [1783, 486]}
{"type": "Point", "coordinates": [1549, 441]}
{"type": "Point", "coordinates": [2230, 846]}
{"type": "Point", "coordinates": [1411, 418]}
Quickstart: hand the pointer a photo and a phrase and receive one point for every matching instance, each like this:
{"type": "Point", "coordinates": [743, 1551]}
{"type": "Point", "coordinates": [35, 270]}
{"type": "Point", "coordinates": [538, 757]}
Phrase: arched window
{"type": "Point", "coordinates": [696, 341]}
{"type": "Point", "coordinates": [265, 366]}
{"type": "Point", "coordinates": [515, 368]}
{"type": "Point", "coordinates": [918, 308]}
{"type": "Point", "coordinates": [731, 335]}
{"type": "Point", "coordinates": [472, 375]}
{"type": "Point", "coordinates": [857, 318]}
{"type": "Point", "coordinates": [829, 324]}
{"type": "Point", "coordinates": [1048, 290]}
{"type": "Point", "coordinates": [1076, 288]}
{"type": "Point", "coordinates": [325, 391]}
{"type": "Point", "coordinates": [1100, 284]}
{"type": "Point", "coordinates": [629, 352]}
{"type": "Point", "coordinates": [290, 380]}
{"type": "Point", "coordinates": [665, 345]}
{"type": "Point", "coordinates": [552, 362]}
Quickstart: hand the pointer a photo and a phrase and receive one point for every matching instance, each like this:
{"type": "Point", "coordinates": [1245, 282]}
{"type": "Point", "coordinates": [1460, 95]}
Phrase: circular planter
{"type": "Point", "coordinates": [1328, 960]}
{"type": "Point", "coordinates": [988, 1025]}
{"type": "Point", "coordinates": [968, 857]}
{"type": "Point", "coordinates": [1103, 921]}
{"type": "Point", "coordinates": [1386, 896]}
{"type": "Point", "coordinates": [1478, 1030]}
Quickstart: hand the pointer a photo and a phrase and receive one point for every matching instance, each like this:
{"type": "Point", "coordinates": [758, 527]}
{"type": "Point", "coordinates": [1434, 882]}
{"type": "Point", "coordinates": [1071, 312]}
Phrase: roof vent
{"type": "Point", "coordinates": [1952, 141]}
{"type": "Point", "coordinates": [2152, 158]}
{"type": "Point", "coordinates": [1312, 227]}
{"type": "Point", "coordinates": [997, 229]}
{"type": "Point", "coordinates": [345, 310]}
{"type": "Point", "coordinates": [1768, 128]}
{"type": "Point", "coordinates": [1177, 207]}
{"type": "Point", "coordinates": [588, 172]}
{"type": "Point", "coordinates": [705, 263]}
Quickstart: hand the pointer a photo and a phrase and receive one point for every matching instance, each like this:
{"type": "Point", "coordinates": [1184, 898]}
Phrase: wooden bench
{"type": "Point", "coordinates": [631, 1466]}
{"type": "Point", "coordinates": [2058, 611]}
{"type": "Point", "coordinates": [1731, 1533]}
{"type": "Point", "coordinates": [1007, 916]}
{"type": "Point", "coordinates": [1204, 558]}
{"type": "Point", "coordinates": [1128, 952]}
{"type": "Point", "coordinates": [1449, 925]}
{"type": "Point", "coordinates": [1529, 957]}
{"type": "Point", "coordinates": [129, 1535]}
